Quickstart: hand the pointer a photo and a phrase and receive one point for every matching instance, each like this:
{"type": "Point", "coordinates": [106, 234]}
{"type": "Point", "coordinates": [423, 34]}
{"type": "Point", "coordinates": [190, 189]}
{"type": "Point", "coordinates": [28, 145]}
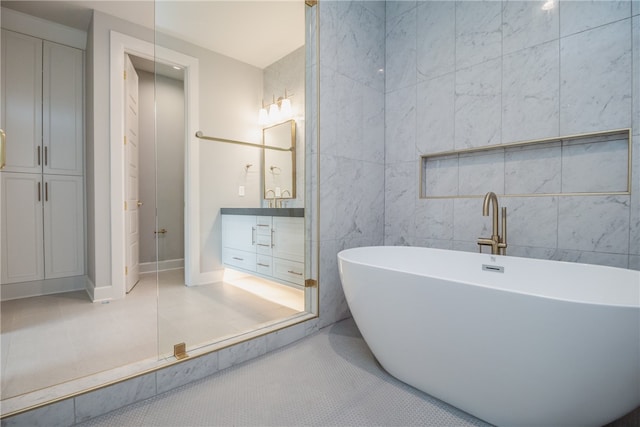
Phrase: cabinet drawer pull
{"type": "Point", "coordinates": [38, 155]}
{"type": "Point", "coordinates": [39, 191]}
{"type": "Point", "coordinates": [262, 244]}
{"type": "Point", "coordinates": [263, 265]}
{"type": "Point", "coordinates": [46, 191]}
{"type": "Point", "coordinates": [253, 235]}
{"type": "Point", "coordinates": [294, 272]}
{"type": "Point", "coordinates": [272, 240]}
{"type": "Point", "coordinates": [45, 156]}
{"type": "Point", "coordinates": [263, 225]}
{"type": "Point", "coordinates": [236, 258]}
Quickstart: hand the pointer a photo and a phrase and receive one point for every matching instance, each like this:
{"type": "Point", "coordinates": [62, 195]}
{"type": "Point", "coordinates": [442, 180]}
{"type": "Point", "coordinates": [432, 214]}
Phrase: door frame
{"type": "Point", "coordinates": [121, 44]}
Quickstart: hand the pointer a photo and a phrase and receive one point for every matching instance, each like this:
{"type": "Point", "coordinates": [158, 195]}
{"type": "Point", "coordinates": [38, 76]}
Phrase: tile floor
{"type": "Point", "coordinates": [327, 379]}
{"type": "Point", "coordinates": [51, 339]}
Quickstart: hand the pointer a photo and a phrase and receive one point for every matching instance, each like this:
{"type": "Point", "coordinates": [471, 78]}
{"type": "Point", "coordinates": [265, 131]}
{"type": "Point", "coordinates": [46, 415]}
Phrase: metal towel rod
{"type": "Point", "coordinates": [200, 135]}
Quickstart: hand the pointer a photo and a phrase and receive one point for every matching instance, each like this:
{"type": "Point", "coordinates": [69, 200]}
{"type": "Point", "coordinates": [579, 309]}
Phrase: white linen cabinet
{"type": "Point", "coordinates": [42, 183]}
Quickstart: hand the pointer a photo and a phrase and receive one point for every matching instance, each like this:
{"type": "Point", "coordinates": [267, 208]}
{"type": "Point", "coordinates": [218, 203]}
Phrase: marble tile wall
{"type": "Point", "coordinates": [497, 72]}
{"type": "Point", "coordinates": [352, 138]}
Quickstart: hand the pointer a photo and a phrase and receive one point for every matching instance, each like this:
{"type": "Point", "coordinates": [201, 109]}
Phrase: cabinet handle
{"type": "Point", "coordinates": [3, 149]}
{"type": "Point", "coordinates": [294, 272]}
{"type": "Point", "coordinates": [39, 191]}
{"type": "Point", "coordinates": [272, 240]}
{"type": "Point", "coordinates": [236, 258]}
{"type": "Point", "coordinates": [38, 155]}
{"type": "Point", "coordinates": [263, 225]}
{"type": "Point", "coordinates": [46, 191]}
{"type": "Point", "coordinates": [262, 244]}
{"type": "Point", "coordinates": [253, 235]}
{"type": "Point", "coordinates": [45, 156]}
{"type": "Point", "coordinates": [263, 265]}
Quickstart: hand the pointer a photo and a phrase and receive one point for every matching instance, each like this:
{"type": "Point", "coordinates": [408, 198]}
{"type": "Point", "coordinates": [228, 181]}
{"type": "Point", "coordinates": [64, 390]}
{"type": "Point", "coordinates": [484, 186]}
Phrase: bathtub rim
{"type": "Point", "coordinates": [634, 302]}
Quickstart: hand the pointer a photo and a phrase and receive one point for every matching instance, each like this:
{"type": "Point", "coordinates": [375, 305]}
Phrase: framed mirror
{"type": "Point", "coordinates": [278, 166]}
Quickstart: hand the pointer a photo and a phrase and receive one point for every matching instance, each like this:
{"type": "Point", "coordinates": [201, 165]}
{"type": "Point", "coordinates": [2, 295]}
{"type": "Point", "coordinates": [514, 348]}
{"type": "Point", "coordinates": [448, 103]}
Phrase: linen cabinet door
{"type": "Point", "coordinates": [62, 109]}
{"type": "Point", "coordinates": [63, 226]}
{"type": "Point", "coordinates": [21, 229]}
{"type": "Point", "coordinates": [22, 101]}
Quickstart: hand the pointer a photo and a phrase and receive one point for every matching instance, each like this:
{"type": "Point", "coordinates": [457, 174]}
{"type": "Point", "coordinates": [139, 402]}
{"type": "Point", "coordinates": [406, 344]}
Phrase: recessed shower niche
{"type": "Point", "coordinates": [568, 165]}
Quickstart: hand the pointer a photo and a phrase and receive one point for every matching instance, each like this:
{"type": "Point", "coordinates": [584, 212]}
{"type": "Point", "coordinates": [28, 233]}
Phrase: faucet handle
{"type": "Point", "coordinates": [484, 241]}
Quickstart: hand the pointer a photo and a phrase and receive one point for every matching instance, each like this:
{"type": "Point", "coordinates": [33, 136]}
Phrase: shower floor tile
{"type": "Point", "coordinates": [52, 339]}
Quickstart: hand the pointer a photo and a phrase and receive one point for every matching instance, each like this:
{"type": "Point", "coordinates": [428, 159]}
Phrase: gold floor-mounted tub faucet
{"type": "Point", "coordinates": [497, 242]}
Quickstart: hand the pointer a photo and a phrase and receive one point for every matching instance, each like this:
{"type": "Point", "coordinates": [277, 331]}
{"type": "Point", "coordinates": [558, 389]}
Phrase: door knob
{"type": "Point", "coordinates": [140, 203]}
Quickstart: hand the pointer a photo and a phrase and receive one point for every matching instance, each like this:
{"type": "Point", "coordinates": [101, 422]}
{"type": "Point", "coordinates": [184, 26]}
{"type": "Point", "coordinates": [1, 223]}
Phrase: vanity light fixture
{"type": "Point", "coordinates": [279, 110]}
{"type": "Point", "coordinates": [274, 112]}
{"type": "Point", "coordinates": [263, 116]}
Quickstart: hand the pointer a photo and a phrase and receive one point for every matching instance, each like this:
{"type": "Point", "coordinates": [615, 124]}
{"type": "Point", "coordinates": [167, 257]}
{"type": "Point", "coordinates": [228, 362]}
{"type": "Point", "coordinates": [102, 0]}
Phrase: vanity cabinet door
{"type": "Point", "coordinates": [288, 238]}
{"type": "Point", "coordinates": [239, 232]}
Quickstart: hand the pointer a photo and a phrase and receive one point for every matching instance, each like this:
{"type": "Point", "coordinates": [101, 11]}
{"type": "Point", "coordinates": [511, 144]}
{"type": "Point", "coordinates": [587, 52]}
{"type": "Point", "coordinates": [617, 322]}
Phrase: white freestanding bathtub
{"type": "Point", "coordinates": [513, 341]}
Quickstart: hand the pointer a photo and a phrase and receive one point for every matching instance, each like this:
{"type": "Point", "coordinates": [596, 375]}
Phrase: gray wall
{"type": "Point", "coordinates": [468, 74]}
{"type": "Point", "coordinates": [161, 101]}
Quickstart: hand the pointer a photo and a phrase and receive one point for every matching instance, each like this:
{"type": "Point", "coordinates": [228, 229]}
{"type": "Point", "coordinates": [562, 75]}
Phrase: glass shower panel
{"type": "Point", "coordinates": [213, 286]}
{"type": "Point", "coordinates": [71, 329]}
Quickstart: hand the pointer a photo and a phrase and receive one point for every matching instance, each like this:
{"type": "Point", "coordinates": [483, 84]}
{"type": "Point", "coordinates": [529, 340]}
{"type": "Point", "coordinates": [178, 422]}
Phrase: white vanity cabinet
{"type": "Point", "coordinates": [271, 246]}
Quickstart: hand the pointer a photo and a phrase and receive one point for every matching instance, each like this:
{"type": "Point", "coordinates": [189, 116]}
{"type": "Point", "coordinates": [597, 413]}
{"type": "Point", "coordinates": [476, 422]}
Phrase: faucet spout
{"type": "Point", "coordinates": [497, 242]}
{"type": "Point", "coordinates": [491, 198]}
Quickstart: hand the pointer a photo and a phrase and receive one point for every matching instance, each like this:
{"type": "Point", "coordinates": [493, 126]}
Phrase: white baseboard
{"type": "Point", "coordinates": [100, 293]}
{"type": "Point", "coordinates": [170, 264]}
{"type": "Point", "coordinates": [34, 288]}
{"type": "Point", "coordinates": [210, 277]}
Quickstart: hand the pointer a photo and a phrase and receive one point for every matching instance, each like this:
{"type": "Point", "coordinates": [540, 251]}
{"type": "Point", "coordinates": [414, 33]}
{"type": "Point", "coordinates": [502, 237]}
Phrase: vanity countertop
{"type": "Point", "coordinates": [292, 212]}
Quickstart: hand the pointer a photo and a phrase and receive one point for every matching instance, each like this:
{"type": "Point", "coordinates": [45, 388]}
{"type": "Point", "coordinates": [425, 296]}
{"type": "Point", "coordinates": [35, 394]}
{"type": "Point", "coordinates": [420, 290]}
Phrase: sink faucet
{"type": "Point", "coordinates": [270, 200]}
{"type": "Point", "coordinates": [497, 242]}
{"type": "Point", "coordinates": [279, 202]}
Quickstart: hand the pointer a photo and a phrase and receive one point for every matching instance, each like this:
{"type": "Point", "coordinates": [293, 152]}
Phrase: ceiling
{"type": "Point", "coordinates": [257, 32]}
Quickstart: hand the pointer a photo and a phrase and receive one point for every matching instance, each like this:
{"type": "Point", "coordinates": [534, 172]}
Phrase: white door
{"type": "Point", "coordinates": [132, 229]}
